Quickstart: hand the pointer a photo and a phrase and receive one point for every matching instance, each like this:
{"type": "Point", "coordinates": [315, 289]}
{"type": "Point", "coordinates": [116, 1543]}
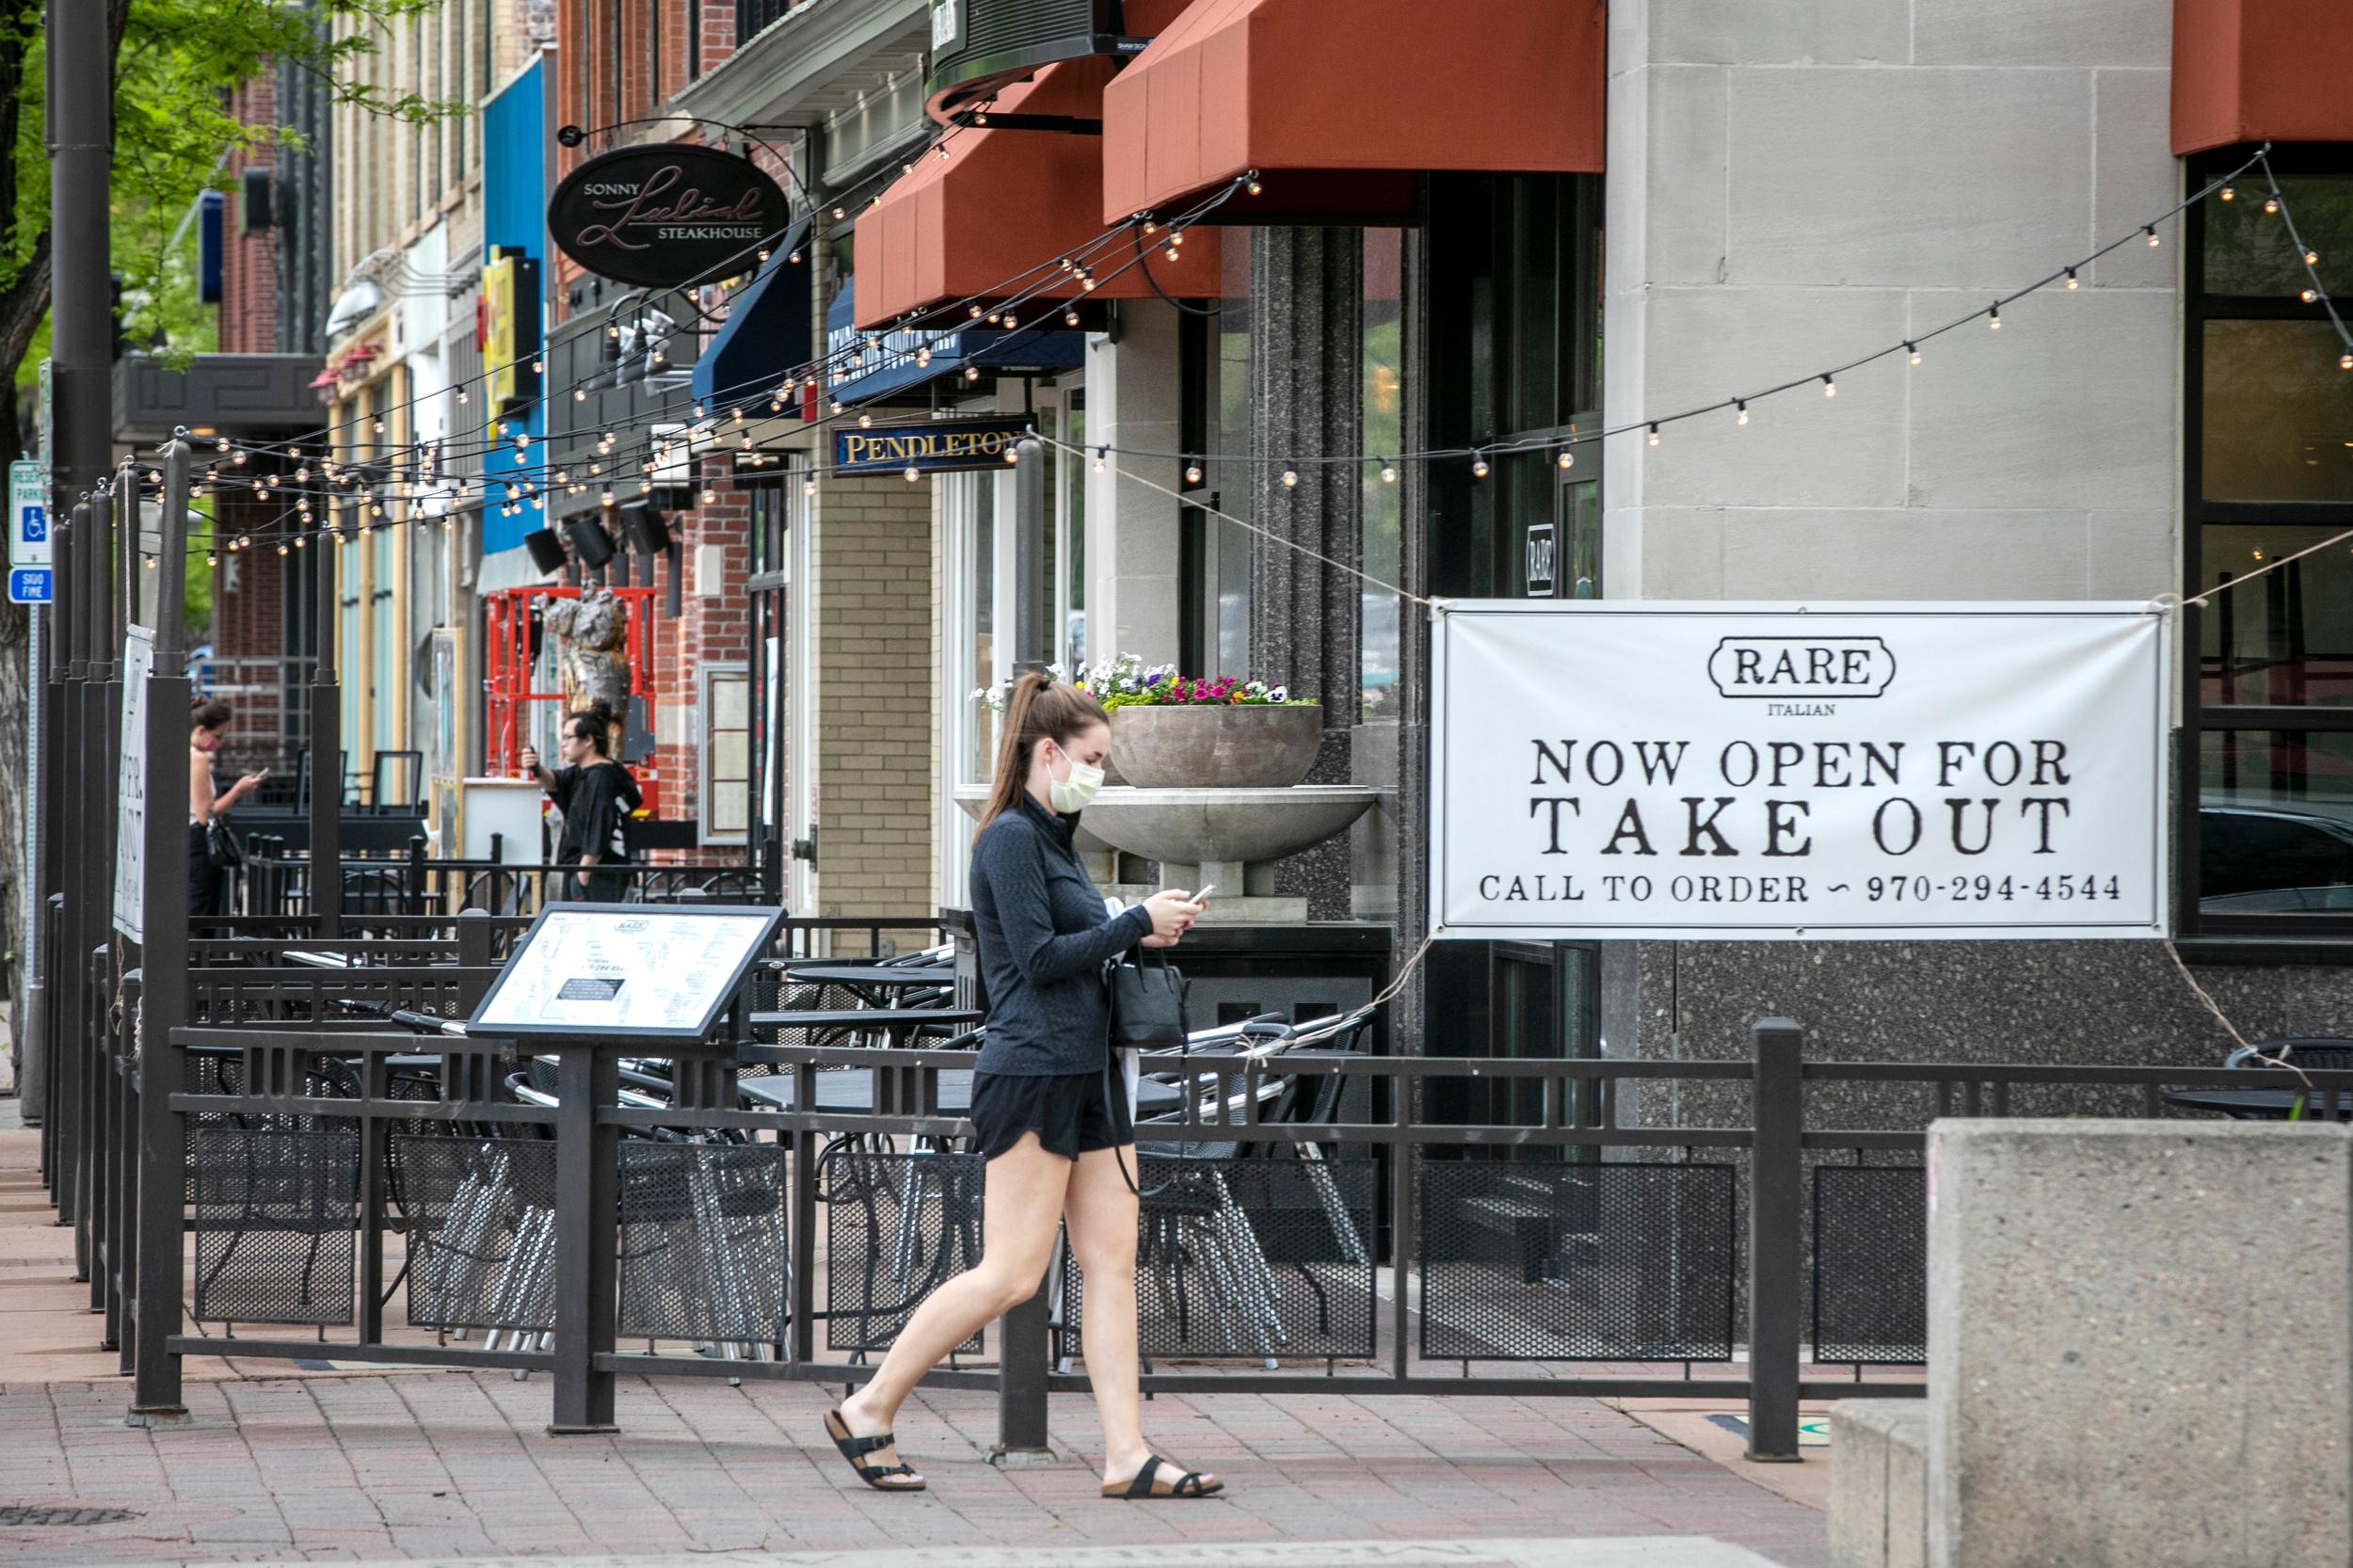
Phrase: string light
{"type": "Point", "coordinates": [1100, 453]}
{"type": "Point", "coordinates": [912, 474]}
{"type": "Point", "coordinates": [2151, 230]}
{"type": "Point", "coordinates": [2271, 205]}
{"type": "Point", "coordinates": [1192, 474]}
{"type": "Point", "coordinates": [2072, 282]}
{"type": "Point", "coordinates": [1739, 411]}
{"type": "Point", "coordinates": [1389, 472]}
{"type": "Point", "coordinates": [2308, 296]}
{"type": "Point", "coordinates": [1567, 459]}
{"type": "Point", "coordinates": [1652, 440]}
{"type": "Point", "coordinates": [1993, 319]}
{"type": "Point", "coordinates": [2228, 194]}
{"type": "Point", "coordinates": [711, 498]}
{"type": "Point", "coordinates": [1479, 466]}
{"type": "Point", "coordinates": [2312, 257]}
{"type": "Point", "coordinates": [808, 486]}
{"type": "Point", "coordinates": [1911, 351]}
{"type": "Point", "coordinates": [1830, 388]}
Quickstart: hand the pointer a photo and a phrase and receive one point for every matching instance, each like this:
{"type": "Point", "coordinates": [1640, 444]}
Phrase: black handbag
{"type": "Point", "coordinates": [222, 849]}
{"type": "Point", "coordinates": [1147, 1006]}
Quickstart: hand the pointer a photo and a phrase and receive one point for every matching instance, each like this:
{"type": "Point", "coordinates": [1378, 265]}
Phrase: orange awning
{"type": "Point", "coordinates": [1339, 106]}
{"type": "Point", "coordinates": [1003, 205]}
{"type": "Point", "coordinates": [2261, 70]}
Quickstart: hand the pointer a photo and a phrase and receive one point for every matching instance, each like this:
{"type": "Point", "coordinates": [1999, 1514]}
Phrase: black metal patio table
{"type": "Point", "coordinates": [880, 981]}
{"type": "Point", "coordinates": [2267, 1105]}
{"type": "Point", "coordinates": [898, 1024]}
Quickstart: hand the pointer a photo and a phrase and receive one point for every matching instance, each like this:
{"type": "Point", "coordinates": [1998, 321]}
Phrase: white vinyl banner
{"type": "Point", "coordinates": [1745, 771]}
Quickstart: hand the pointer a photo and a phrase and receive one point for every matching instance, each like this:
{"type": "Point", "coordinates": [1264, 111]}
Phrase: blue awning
{"type": "Point", "coordinates": [910, 359]}
{"type": "Point", "coordinates": [766, 335]}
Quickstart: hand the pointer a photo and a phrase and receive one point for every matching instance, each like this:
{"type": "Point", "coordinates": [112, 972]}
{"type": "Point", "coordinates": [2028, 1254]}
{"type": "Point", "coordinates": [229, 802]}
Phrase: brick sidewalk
{"type": "Point", "coordinates": [455, 1464]}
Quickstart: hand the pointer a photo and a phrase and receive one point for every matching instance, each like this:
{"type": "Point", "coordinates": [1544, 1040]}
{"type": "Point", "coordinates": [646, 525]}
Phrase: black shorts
{"type": "Point", "coordinates": [1070, 1112]}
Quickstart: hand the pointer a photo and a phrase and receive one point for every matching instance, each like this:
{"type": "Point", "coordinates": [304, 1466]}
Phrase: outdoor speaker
{"type": "Point", "coordinates": [648, 533]}
{"type": "Point", "coordinates": [547, 548]}
{"type": "Point", "coordinates": [590, 542]}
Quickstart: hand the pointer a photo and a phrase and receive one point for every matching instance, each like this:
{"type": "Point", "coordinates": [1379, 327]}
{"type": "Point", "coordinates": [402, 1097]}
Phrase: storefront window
{"type": "Point", "coordinates": [1382, 416]}
{"type": "Point", "coordinates": [1071, 522]}
{"type": "Point", "coordinates": [1233, 478]}
{"type": "Point", "coordinates": [2267, 753]}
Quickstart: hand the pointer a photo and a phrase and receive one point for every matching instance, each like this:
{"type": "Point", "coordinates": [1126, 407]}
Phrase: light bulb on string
{"type": "Point", "coordinates": [1739, 411]}
{"type": "Point", "coordinates": [1100, 453]}
{"type": "Point", "coordinates": [2228, 194]}
{"type": "Point", "coordinates": [1192, 474]}
{"type": "Point", "coordinates": [2312, 257]}
{"type": "Point", "coordinates": [2271, 205]}
{"type": "Point", "coordinates": [1567, 459]}
{"type": "Point", "coordinates": [2344, 361]}
{"type": "Point", "coordinates": [911, 474]}
{"type": "Point", "coordinates": [1070, 318]}
{"type": "Point", "coordinates": [1652, 440]}
{"type": "Point", "coordinates": [1290, 478]}
{"type": "Point", "coordinates": [1911, 351]}
{"type": "Point", "coordinates": [2308, 296]}
{"type": "Point", "coordinates": [2151, 230]}
{"type": "Point", "coordinates": [607, 499]}
{"type": "Point", "coordinates": [1479, 466]}
{"type": "Point", "coordinates": [1830, 388]}
{"type": "Point", "coordinates": [1389, 472]}
{"type": "Point", "coordinates": [711, 498]}
{"type": "Point", "coordinates": [579, 394]}
{"type": "Point", "coordinates": [865, 421]}
{"type": "Point", "coordinates": [808, 486]}
{"type": "Point", "coordinates": [1993, 319]}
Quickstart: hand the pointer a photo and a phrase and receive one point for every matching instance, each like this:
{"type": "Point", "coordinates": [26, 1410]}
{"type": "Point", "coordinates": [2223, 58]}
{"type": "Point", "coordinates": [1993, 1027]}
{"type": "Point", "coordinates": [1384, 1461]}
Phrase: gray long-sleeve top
{"type": "Point", "coordinates": [1044, 940]}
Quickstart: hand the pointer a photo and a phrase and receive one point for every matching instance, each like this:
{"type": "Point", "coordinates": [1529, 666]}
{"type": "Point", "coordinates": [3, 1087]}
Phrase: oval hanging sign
{"type": "Point", "coordinates": [666, 215]}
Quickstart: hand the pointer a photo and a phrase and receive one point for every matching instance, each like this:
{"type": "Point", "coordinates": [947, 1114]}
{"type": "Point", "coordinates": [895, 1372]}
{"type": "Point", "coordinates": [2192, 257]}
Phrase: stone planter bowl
{"type": "Point", "coordinates": [1224, 746]}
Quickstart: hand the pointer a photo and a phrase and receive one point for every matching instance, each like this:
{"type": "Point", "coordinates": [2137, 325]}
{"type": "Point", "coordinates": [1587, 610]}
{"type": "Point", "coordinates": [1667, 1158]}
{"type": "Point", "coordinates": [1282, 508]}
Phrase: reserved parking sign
{"type": "Point", "coordinates": [28, 518]}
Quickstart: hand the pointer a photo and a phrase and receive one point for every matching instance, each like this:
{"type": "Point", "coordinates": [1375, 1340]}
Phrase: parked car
{"type": "Point", "coordinates": [2252, 860]}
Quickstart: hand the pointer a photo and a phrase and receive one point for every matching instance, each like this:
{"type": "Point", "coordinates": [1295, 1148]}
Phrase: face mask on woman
{"type": "Point", "coordinates": [1071, 795]}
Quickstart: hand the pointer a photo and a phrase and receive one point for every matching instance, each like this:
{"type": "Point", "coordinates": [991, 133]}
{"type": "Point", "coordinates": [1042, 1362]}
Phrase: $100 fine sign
{"type": "Point", "coordinates": [1727, 771]}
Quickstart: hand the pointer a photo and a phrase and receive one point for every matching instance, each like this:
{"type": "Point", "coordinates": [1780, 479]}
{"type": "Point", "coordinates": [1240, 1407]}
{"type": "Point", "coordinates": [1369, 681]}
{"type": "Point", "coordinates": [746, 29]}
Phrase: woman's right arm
{"type": "Point", "coordinates": [1013, 862]}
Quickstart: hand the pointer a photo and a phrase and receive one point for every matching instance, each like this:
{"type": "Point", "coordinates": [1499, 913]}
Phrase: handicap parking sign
{"type": "Point", "coordinates": [28, 515]}
{"type": "Point", "coordinates": [29, 585]}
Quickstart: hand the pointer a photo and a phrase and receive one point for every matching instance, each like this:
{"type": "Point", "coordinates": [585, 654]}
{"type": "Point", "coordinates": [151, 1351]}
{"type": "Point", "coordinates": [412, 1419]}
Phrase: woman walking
{"type": "Point", "coordinates": [596, 795]}
{"type": "Point", "coordinates": [1051, 1115]}
{"type": "Point", "coordinates": [208, 727]}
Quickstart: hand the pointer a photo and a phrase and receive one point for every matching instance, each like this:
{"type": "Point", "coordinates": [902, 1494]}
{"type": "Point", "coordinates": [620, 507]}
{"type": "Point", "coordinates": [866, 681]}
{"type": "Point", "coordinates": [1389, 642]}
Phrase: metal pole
{"type": "Point", "coordinates": [1031, 647]}
{"type": "Point", "coordinates": [162, 1070]}
{"type": "Point", "coordinates": [32, 1056]}
{"type": "Point", "coordinates": [588, 1199]}
{"type": "Point", "coordinates": [1776, 1239]}
{"type": "Point", "coordinates": [81, 325]}
{"type": "Point", "coordinates": [327, 756]}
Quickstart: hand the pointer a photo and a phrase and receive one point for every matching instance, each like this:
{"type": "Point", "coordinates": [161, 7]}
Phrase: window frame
{"type": "Point", "coordinates": [2198, 513]}
{"type": "Point", "coordinates": [707, 679]}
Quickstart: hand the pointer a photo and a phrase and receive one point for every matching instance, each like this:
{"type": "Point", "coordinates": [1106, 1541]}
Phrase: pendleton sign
{"type": "Point", "coordinates": [941, 446]}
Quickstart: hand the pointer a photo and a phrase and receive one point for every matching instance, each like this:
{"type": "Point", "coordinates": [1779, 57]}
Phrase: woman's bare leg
{"type": "Point", "coordinates": [1021, 1210]}
{"type": "Point", "coordinates": [1101, 1211]}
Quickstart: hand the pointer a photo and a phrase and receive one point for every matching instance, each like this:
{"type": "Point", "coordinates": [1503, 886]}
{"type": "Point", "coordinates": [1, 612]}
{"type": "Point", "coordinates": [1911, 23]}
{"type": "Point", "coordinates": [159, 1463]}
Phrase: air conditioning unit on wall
{"type": "Point", "coordinates": [979, 45]}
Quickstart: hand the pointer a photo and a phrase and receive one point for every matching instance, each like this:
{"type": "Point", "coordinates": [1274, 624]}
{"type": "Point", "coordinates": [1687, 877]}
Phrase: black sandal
{"type": "Point", "coordinates": [1147, 1484]}
{"type": "Point", "coordinates": [882, 1478]}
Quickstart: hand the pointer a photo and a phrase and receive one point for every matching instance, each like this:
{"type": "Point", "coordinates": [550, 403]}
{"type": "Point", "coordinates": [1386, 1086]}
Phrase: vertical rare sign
{"type": "Point", "coordinates": [1727, 771]}
{"type": "Point", "coordinates": [138, 661]}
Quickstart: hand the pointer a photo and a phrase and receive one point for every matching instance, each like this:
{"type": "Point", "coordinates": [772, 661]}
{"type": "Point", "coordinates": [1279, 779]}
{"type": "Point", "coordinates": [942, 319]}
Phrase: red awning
{"type": "Point", "coordinates": [2261, 70]}
{"type": "Point", "coordinates": [1006, 204]}
{"type": "Point", "coordinates": [1338, 106]}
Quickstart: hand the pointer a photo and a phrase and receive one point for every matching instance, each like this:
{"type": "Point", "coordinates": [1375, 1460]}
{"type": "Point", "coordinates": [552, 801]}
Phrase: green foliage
{"type": "Point", "coordinates": [177, 63]}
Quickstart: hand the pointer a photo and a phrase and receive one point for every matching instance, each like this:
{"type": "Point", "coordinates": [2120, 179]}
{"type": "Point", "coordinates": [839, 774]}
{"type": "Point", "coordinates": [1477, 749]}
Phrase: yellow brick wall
{"type": "Point", "coordinates": [875, 722]}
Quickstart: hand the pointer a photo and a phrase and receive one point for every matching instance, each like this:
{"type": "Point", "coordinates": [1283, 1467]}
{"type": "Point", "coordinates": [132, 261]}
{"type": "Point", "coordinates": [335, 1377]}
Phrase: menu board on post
{"type": "Point", "coordinates": [625, 971]}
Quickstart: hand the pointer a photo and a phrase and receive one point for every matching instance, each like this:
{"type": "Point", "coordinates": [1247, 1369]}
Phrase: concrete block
{"type": "Point", "coordinates": [1679, 552]}
{"type": "Point", "coordinates": [1798, 449]}
{"type": "Point", "coordinates": [2131, 554]}
{"type": "Point", "coordinates": [2134, 176]}
{"type": "Point", "coordinates": [2071, 404]}
{"type": "Point", "coordinates": [2140, 1344]}
{"type": "Point", "coordinates": [2038, 34]}
{"type": "Point", "coordinates": [1900, 553]}
{"type": "Point", "coordinates": [1878, 1482]}
{"type": "Point", "coordinates": [1789, 32]}
{"type": "Point", "coordinates": [1684, 201]}
{"type": "Point", "coordinates": [1907, 177]}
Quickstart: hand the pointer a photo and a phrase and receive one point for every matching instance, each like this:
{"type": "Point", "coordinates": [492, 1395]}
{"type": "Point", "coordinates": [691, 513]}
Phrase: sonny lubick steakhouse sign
{"type": "Point", "coordinates": [1723, 772]}
{"type": "Point", "coordinates": [666, 215]}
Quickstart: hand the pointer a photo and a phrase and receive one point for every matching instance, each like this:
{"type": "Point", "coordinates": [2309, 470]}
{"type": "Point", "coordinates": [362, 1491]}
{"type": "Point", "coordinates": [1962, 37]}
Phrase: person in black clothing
{"type": "Point", "coordinates": [596, 795]}
{"type": "Point", "coordinates": [208, 727]}
{"type": "Point", "coordinates": [1051, 1115]}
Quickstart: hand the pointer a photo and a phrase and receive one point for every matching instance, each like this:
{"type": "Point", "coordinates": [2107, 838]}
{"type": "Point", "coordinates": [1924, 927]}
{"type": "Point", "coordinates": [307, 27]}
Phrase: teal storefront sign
{"type": "Point", "coordinates": [929, 446]}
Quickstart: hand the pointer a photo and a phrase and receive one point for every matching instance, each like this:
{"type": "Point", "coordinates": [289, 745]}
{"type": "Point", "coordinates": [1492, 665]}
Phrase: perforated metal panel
{"type": "Point", "coordinates": [1576, 1262]}
{"type": "Point", "coordinates": [1871, 1264]}
{"type": "Point", "coordinates": [277, 1214]}
{"type": "Point", "coordinates": [481, 1216]}
{"type": "Point", "coordinates": [897, 1227]}
{"type": "Point", "coordinates": [703, 1253]}
{"type": "Point", "coordinates": [1251, 1258]}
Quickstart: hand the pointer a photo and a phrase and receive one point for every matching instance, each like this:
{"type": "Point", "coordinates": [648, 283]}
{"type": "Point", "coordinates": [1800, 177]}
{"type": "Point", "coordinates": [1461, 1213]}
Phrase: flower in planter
{"type": "Point", "coordinates": [1126, 681]}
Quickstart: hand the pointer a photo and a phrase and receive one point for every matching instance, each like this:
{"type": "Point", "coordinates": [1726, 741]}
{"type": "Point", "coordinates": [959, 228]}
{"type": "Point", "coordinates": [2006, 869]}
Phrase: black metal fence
{"type": "Point", "coordinates": [417, 1198]}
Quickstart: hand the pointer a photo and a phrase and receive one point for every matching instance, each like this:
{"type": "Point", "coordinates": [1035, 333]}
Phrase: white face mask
{"type": "Point", "coordinates": [1071, 795]}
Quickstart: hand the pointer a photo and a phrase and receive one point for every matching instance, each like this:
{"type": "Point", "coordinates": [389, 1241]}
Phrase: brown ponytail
{"type": "Point", "coordinates": [1040, 709]}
